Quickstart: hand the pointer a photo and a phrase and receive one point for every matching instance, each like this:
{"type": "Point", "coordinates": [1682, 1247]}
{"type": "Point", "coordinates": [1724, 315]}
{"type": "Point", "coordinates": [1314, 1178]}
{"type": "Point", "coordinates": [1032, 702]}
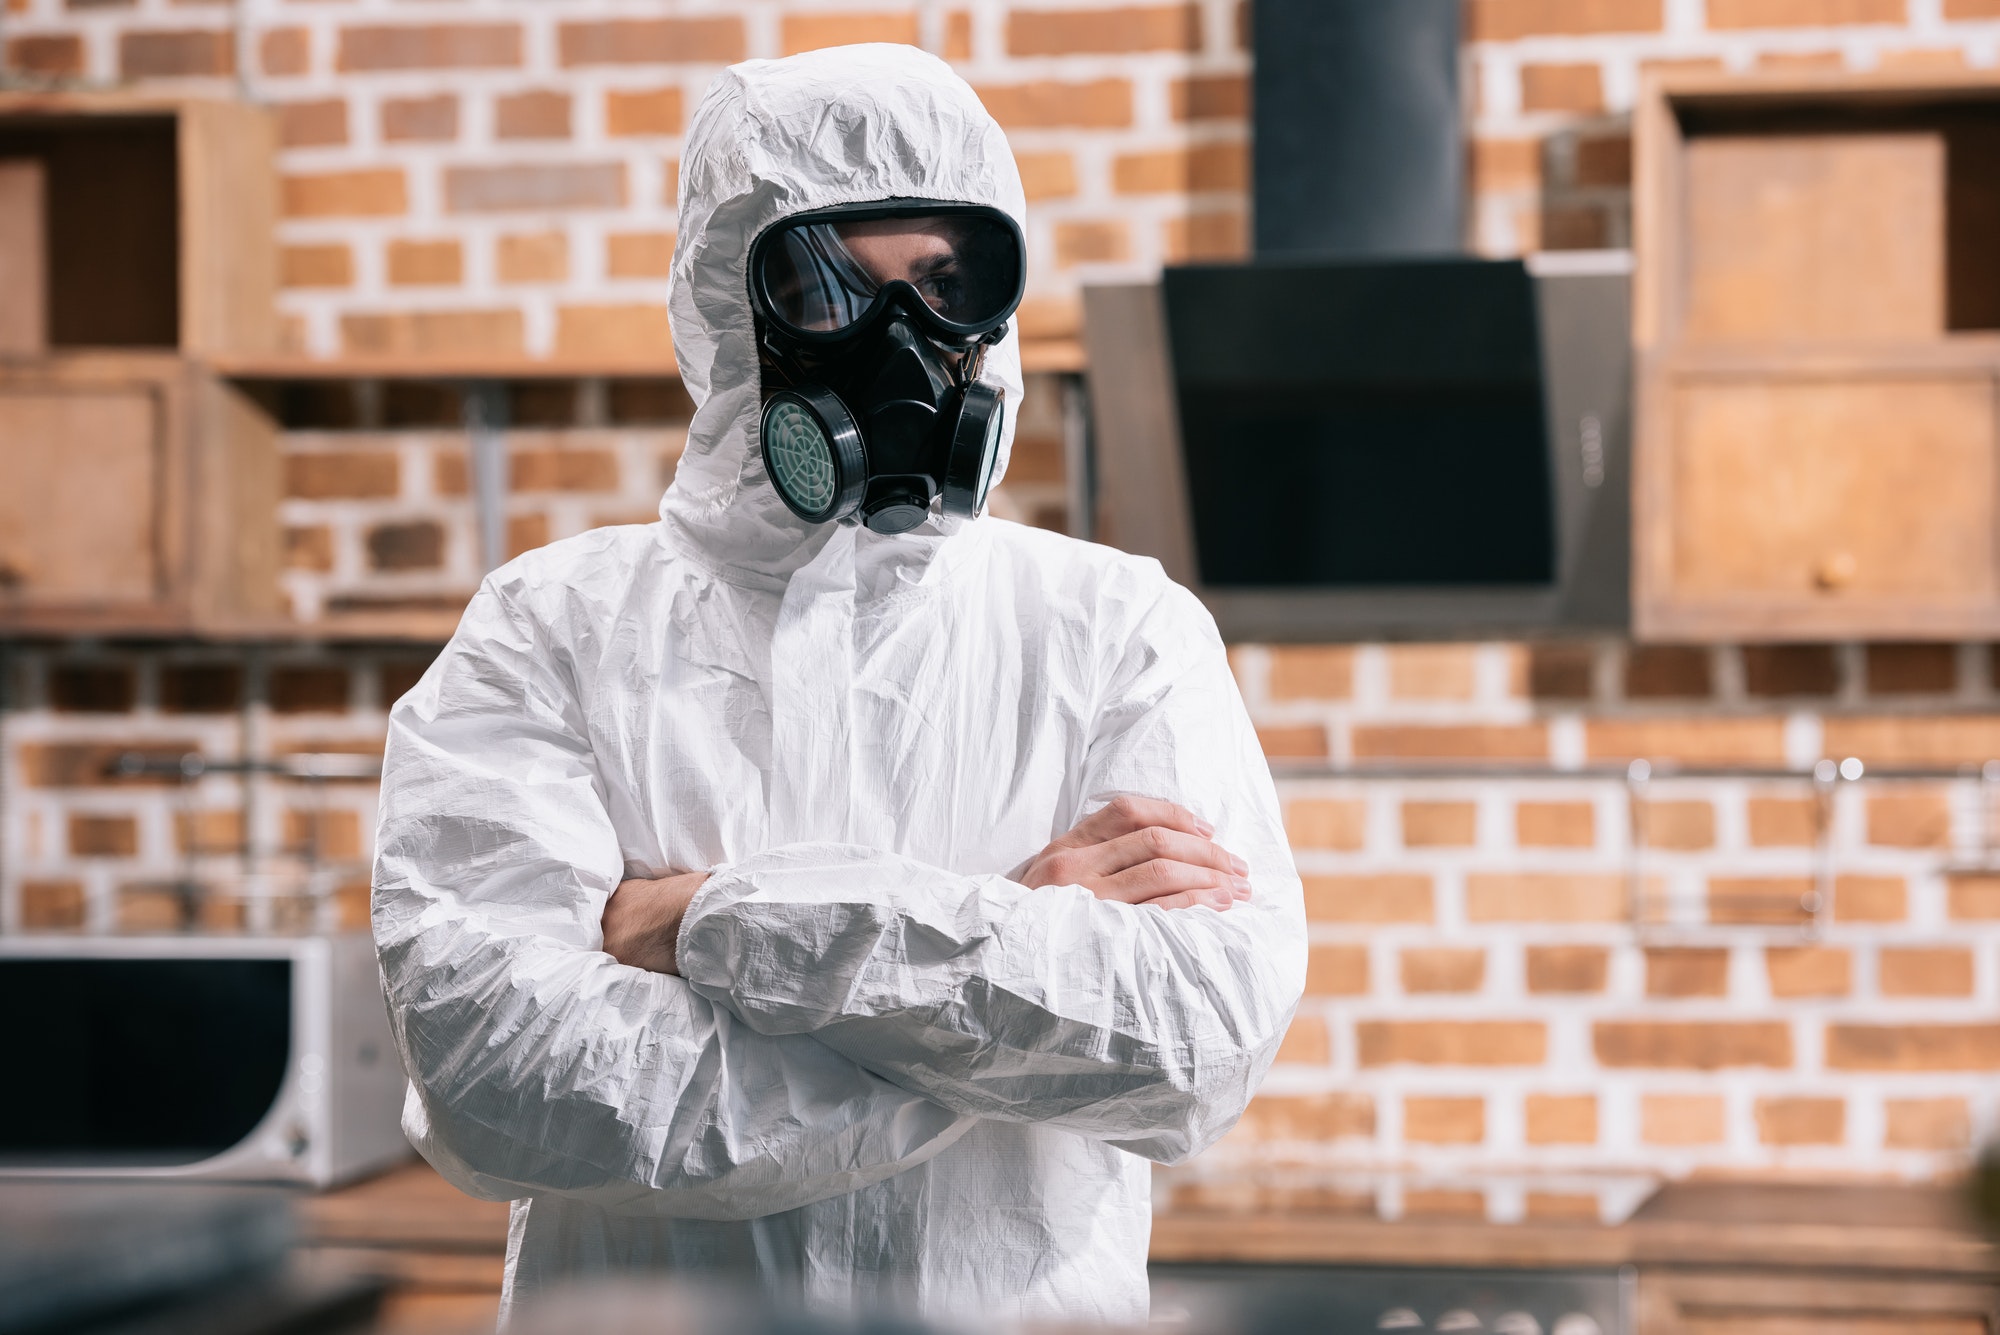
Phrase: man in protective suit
{"type": "Point", "coordinates": [824, 885]}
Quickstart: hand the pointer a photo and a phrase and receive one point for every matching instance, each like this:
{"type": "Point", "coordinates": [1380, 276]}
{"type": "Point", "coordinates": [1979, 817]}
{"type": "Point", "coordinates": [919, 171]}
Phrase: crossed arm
{"type": "Point", "coordinates": [841, 1014]}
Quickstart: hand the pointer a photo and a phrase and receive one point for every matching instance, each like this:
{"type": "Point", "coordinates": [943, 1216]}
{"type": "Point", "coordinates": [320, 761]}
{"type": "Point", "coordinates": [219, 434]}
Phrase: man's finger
{"type": "Point", "coordinates": [1189, 899]}
{"type": "Point", "coordinates": [1164, 876]}
{"type": "Point", "coordinates": [1155, 841]}
{"type": "Point", "coordinates": [1123, 815]}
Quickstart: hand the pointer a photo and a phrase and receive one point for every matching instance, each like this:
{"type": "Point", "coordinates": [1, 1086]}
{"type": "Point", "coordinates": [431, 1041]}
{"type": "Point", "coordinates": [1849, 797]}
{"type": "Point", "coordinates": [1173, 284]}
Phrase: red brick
{"type": "Point", "coordinates": [1927, 1124]}
{"type": "Point", "coordinates": [1443, 969]}
{"type": "Point", "coordinates": [52, 55]}
{"type": "Point", "coordinates": [1452, 1042]}
{"type": "Point", "coordinates": [429, 46]}
{"type": "Point", "coordinates": [200, 688]}
{"type": "Point", "coordinates": [1718, 741]}
{"type": "Point", "coordinates": [643, 111]}
{"type": "Point", "coordinates": [637, 330]}
{"type": "Point", "coordinates": [1779, 900]}
{"type": "Point", "coordinates": [535, 187]}
{"type": "Point", "coordinates": [1911, 669]}
{"type": "Point", "coordinates": [1065, 32]}
{"type": "Point", "coordinates": [319, 688]}
{"type": "Point", "coordinates": [1562, 1207]}
{"type": "Point", "coordinates": [1974, 898]}
{"type": "Point", "coordinates": [1209, 97]}
{"type": "Point", "coordinates": [399, 677]}
{"type": "Point", "coordinates": [1701, 1045]}
{"type": "Point", "coordinates": [1205, 167]}
{"type": "Point", "coordinates": [1803, 13]}
{"type": "Point", "coordinates": [1783, 822]}
{"type": "Point", "coordinates": [420, 119]}
{"type": "Point", "coordinates": [812, 31]}
{"type": "Point", "coordinates": [1909, 818]}
{"type": "Point", "coordinates": [1324, 822]}
{"type": "Point", "coordinates": [1574, 227]}
{"type": "Point", "coordinates": [1801, 1122]}
{"type": "Point", "coordinates": [1555, 671]}
{"type": "Point", "coordinates": [1312, 1117]}
{"type": "Point", "coordinates": [957, 36]}
{"type": "Point", "coordinates": [705, 41]}
{"type": "Point", "coordinates": [328, 833]}
{"type": "Point", "coordinates": [1311, 672]}
{"type": "Point", "coordinates": [1555, 825]}
{"type": "Point", "coordinates": [639, 254]}
{"type": "Point", "coordinates": [1932, 971]}
{"type": "Point", "coordinates": [1858, 898]}
{"type": "Point", "coordinates": [1667, 672]}
{"type": "Point", "coordinates": [1972, 9]}
{"type": "Point", "coordinates": [51, 905]}
{"type": "Point", "coordinates": [175, 55]}
{"type": "Point", "coordinates": [1604, 161]}
{"type": "Point", "coordinates": [1305, 741]}
{"type": "Point", "coordinates": [1055, 104]}
{"type": "Point", "coordinates": [1377, 898]}
{"type": "Point", "coordinates": [330, 265]}
{"type": "Point", "coordinates": [562, 470]}
{"type": "Point", "coordinates": [342, 475]}
{"type": "Point", "coordinates": [1914, 739]}
{"type": "Point", "coordinates": [1808, 971]}
{"type": "Point", "coordinates": [1914, 1047]}
{"type": "Point", "coordinates": [1092, 241]}
{"type": "Point", "coordinates": [1561, 1119]}
{"type": "Point", "coordinates": [532, 257]}
{"type": "Point", "coordinates": [92, 836]}
{"type": "Point", "coordinates": [1507, 20]}
{"type": "Point", "coordinates": [1443, 1121]}
{"type": "Point", "coordinates": [1545, 897]}
{"type": "Point", "coordinates": [1567, 968]}
{"type": "Point", "coordinates": [1578, 87]}
{"type": "Point", "coordinates": [1790, 669]}
{"type": "Point", "coordinates": [1444, 1203]}
{"type": "Point", "coordinates": [1431, 671]}
{"type": "Point", "coordinates": [1681, 1119]}
{"type": "Point", "coordinates": [1047, 175]}
{"type": "Point", "coordinates": [1680, 826]}
{"type": "Point", "coordinates": [92, 688]}
{"type": "Point", "coordinates": [494, 333]}
{"type": "Point", "coordinates": [1337, 971]}
{"type": "Point", "coordinates": [285, 51]}
{"type": "Point", "coordinates": [1451, 741]}
{"type": "Point", "coordinates": [1440, 824]}
{"type": "Point", "coordinates": [535, 114]}
{"type": "Point", "coordinates": [417, 545]}
{"type": "Point", "coordinates": [369, 192]}
{"type": "Point", "coordinates": [308, 547]}
{"type": "Point", "coordinates": [94, 764]}
{"type": "Point", "coordinates": [525, 533]}
{"type": "Point", "coordinates": [1687, 972]}
{"type": "Point", "coordinates": [312, 124]}
{"type": "Point", "coordinates": [1801, 60]}
{"type": "Point", "coordinates": [1210, 234]}
{"type": "Point", "coordinates": [419, 263]}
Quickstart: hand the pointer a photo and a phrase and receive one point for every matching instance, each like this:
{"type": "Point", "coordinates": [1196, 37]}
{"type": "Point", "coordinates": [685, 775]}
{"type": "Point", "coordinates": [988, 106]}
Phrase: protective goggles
{"type": "Point", "coordinates": [957, 270]}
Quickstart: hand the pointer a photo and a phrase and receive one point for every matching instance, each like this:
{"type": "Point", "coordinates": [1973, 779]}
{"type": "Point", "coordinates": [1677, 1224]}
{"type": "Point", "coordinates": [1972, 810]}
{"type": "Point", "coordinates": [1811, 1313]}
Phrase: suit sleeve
{"type": "Point", "coordinates": [1143, 1027]}
{"type": "Point", "coordinates": [537, 1063]}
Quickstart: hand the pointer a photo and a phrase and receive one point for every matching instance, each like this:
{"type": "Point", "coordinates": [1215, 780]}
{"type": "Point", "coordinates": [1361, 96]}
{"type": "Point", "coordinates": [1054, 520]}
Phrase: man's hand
{"type": "Point", "coordinates": [1140, 851]}
{"type": "Point", "coordinates": [642, 920]}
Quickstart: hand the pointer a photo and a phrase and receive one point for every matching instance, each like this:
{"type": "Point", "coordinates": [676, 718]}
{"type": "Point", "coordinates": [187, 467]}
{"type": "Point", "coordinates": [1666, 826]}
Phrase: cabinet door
{"type": "Point", "coordinates": [80, 507]}
{"type": "Point", "coordinates": [1804, 503]}
{"type": "Point", "coordinates": [1819, 1304]}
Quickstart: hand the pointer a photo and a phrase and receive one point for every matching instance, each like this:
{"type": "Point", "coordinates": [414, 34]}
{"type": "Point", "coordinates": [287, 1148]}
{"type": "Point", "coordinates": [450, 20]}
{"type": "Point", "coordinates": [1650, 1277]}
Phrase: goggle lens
{"type": "Point", "coordinates": [822, 276]}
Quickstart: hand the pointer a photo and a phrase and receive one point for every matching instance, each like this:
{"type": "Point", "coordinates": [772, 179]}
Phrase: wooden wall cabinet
{"type": "Point", "coordinates": [1817, 323]}
{"type": "Point", "coordinates": [138, 491]}
{"type": "Point", "coordinates": [141, 496]}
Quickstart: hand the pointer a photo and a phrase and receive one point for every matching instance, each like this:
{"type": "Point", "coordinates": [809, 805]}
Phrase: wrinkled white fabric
{"type": "Point", "coordinates": [891, 1075]}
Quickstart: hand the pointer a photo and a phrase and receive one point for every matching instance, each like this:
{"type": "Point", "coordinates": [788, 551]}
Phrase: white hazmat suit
{"type": "Point", "coordinates": [889, 1075]}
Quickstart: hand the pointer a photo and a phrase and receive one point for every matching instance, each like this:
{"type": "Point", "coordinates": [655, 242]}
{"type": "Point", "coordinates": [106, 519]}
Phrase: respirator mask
{"type": "Point", "coordinates": [873, 321]}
